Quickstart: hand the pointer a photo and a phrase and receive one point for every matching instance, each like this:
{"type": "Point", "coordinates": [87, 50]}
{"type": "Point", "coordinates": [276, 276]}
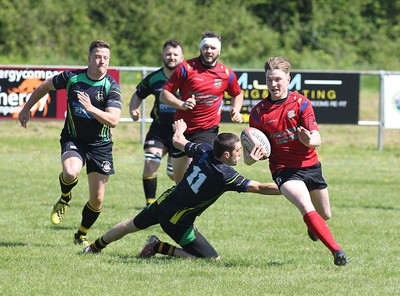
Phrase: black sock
{"type": "Point", "coordinates": [99, 244]}
{"type": "Point", "coordinates": [89, 216]}
{"type": "Point", "coordinates": [66, 188]}
{"type": "Point", "coordinates": [164, 248]}
{"type": "Point", "coordinates": [150, 187]}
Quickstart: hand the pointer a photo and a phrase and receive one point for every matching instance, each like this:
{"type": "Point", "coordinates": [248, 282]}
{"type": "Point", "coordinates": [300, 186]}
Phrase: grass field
{"type": "Point", "coordinates": [261, 239]}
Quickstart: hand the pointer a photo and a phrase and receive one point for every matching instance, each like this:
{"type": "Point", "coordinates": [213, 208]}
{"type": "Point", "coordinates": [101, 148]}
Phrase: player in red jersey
{"type": "Point", "coordinates": [201, 83]}
{"type": "Point", "coordinates": [287, 118]}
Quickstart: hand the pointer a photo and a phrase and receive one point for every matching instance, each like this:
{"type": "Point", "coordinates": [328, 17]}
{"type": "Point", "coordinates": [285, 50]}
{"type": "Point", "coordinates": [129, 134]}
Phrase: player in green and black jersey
{"type": "Point", "coordinates": [93, 108]}
{"type": "Point", "coordinates": [158, 139]}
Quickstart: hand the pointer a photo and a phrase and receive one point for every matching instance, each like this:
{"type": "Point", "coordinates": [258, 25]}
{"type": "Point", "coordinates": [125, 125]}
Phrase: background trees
{"type": "Point", "coordinates": [314, 34]}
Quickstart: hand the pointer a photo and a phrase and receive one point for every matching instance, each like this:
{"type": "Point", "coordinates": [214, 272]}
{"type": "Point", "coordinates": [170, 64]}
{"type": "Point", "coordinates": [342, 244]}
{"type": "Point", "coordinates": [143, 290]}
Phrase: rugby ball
{"type": "Point", "coordinates": [251, 136]}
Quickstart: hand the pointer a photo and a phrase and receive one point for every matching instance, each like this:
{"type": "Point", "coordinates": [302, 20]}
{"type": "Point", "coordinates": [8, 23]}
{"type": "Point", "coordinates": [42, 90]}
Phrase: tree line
{"type": "Point", "coordinates": [313, 34]}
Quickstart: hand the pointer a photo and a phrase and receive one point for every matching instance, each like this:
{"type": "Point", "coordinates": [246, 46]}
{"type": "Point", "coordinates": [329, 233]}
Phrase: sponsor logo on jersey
{"type": "Point", "coordinates": [218, 83]}
{"type": "Point", "coordinates": [291, 114]}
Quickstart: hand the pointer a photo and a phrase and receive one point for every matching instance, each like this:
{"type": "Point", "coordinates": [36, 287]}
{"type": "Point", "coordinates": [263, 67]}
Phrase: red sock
{"type": "Point", "coordinates": [318, 227]}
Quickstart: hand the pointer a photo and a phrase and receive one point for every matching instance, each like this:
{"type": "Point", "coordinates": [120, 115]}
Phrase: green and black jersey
{"type": "Point", "coordinates": [103, 93]}
{"type": "Point", "coordinates": [153, 83]}
{"type": "Point", "coordinates": [204, 182]}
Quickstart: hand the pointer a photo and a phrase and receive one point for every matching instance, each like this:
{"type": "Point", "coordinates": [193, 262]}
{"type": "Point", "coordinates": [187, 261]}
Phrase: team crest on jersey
{"type": "Point", "coordinates": [99, 96]}
{"type": "Point", "coordinates": [291, 114]}
{"type": "Point", "coordinates": [218, 83]}
{"type": "Point", "coordinates": [106, 166]}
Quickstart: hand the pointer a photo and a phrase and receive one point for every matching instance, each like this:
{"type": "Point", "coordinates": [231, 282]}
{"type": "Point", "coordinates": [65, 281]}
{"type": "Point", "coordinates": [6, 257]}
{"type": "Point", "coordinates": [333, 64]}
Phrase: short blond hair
{"type": "Point", "coordinates": [277, 63]}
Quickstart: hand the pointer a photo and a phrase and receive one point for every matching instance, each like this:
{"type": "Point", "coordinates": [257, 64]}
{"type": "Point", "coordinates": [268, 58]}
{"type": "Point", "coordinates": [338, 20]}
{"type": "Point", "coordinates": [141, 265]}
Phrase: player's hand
{"type": "Point", "coordinates": [236, 116]}
{"type": "Point", "coordinates": [304, 135]}
{"type": "Point", "coordinates": [189, 104]}
{"type": "Point", "coordinates": [84, 99]}
{"type": "Point", "coordinates": [135, 114]}
{"type": "Point", "coordinates": [258, 153]}
{"type": "Point", "coordinates": [23, 117]}
{"type": "Point", "coordinates": [179, 126]}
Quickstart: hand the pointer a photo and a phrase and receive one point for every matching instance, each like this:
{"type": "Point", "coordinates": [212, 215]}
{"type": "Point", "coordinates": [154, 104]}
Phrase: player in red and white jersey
{"type": "Point", "coordinates": [201, 83]}
{"type": "Point", "coordinates": [288, 120]}
{"type": "Point", "coordinates": [279, 120]}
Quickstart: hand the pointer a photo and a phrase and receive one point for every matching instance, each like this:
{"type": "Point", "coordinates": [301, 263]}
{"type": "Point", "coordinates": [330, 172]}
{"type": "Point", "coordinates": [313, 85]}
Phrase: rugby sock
{"type": "Point", "coordinates": [66, 188]}
{"type": "Point", "coordinates": [99, 244]}
{"type": "Point", "coordinates": [164, 248]}
{"type": "Point", "coordinates": [89, 216]}
{"type": "Point", "coordinates": [150, 186]}
{"type": "Point", "coordinates": [320, 229]}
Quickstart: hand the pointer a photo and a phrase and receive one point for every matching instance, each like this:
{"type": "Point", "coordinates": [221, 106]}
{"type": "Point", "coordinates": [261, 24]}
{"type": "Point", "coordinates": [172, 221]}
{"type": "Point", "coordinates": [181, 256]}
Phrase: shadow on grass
{"type": "Point", "coordinates": [129, 259]}
{"type": "Point", "coordinates": [381, 208]}
{"type": "Point", "coordinates": [12, 244]}
{"type": "Point", "coordinates": [371, 207]}
{"type": "Point", "coordinates": [255, 264]}
{"type": "Point", "coordinates": [163, 260]}
{"type": "Point", "coordinates": [62, 227]}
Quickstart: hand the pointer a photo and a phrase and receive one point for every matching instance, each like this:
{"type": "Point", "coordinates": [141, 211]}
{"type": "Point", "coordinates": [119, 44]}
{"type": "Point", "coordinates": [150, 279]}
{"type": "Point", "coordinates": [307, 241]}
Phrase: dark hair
{"type": "Point", "coordinates": [97, 44]}
{"type": "Point", "coordinates": [210, 34]}
{"type": "Point", "coordinates": [173, 43]}
{"type": "Point", "coordinates": [224, 142]}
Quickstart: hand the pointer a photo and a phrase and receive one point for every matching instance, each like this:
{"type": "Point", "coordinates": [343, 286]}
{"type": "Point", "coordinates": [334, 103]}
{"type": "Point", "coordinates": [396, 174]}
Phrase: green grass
{"type": "Point", "coordinates": [262, 239]}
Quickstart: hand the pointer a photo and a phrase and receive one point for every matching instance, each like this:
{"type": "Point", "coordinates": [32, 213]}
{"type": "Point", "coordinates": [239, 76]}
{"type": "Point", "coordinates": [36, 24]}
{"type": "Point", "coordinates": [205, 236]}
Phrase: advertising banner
{"type": "Point", "coordinates": [18, 83]}
{"type": "Point", "coordinates": [391, 90]}
{"type": "Point", "coordinates": [334, 96]}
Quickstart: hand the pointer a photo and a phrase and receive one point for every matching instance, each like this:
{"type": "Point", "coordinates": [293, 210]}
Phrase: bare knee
{"type": "Point", "coordinates": [326, 214]}
{"type": "Point", "coordinates": [70, 174]}
{"type": "Point", "coordinates": [150, 168]}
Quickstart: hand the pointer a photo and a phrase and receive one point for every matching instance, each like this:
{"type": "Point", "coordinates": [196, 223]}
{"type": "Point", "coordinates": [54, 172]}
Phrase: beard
{"type": "Point", "coordinates": [208, 63]}
{"type": "Point", "coordinates": [169, 67]}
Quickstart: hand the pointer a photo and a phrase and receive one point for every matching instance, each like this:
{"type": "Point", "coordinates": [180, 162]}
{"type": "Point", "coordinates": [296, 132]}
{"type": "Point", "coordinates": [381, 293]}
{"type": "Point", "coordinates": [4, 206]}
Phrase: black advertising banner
{"type": "Point", "coordinates": [334, 96]}
{"type": "Point", "coordinates": [18, 83]}
{"type": "Point", "coordinates": [16, 86]}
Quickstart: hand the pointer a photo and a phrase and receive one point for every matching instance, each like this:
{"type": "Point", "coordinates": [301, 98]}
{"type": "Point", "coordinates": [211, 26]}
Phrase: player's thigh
{"type": "Point", "coordinates": [149, 216]}
{"type": "Point", "coordinates": [297, 193]}
{"type": "Point", "coordinates": [72, 159]}
{"type": "Point", "coordinates": [200, 247]}
{"type": "Point", "coordinates": [189, 238]}
{"type": "Point", "coordinates": [320, 199]}
{"type": "Point", "coordinates": [72, 164]}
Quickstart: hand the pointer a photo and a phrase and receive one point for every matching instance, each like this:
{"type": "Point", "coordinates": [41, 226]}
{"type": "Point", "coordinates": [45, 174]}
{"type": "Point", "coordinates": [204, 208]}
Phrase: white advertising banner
{"type": "Point", "coordinates": [392, 101]}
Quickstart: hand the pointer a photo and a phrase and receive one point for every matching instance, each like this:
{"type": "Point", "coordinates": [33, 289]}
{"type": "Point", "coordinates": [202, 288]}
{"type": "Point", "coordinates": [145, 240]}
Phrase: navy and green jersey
{"type": "Point", "coordinates": [204, 182]}
{"type": "Point", "coordinates": [152, 84]}
{"type": "Point", "coordinates": [103, 93]}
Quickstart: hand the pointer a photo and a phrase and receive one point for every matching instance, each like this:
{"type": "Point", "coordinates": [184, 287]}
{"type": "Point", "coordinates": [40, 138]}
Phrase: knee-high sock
{"type": "Point", "coordinates": [150, 187]}
{"type": "Point", "coordinates": [320, 229]}
{"type": "Point", "coordinates": [89, 216]}
{"type": "Point", "coordinates": [66, 187]}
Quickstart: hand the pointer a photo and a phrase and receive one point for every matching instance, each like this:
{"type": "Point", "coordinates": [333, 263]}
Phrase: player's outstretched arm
{"type": "Point", "coordinates": [263, 188]}
{"type": "Point", "coordinates": [37, 94]}
{"type": "Point", "coordinates": [178, 139]}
